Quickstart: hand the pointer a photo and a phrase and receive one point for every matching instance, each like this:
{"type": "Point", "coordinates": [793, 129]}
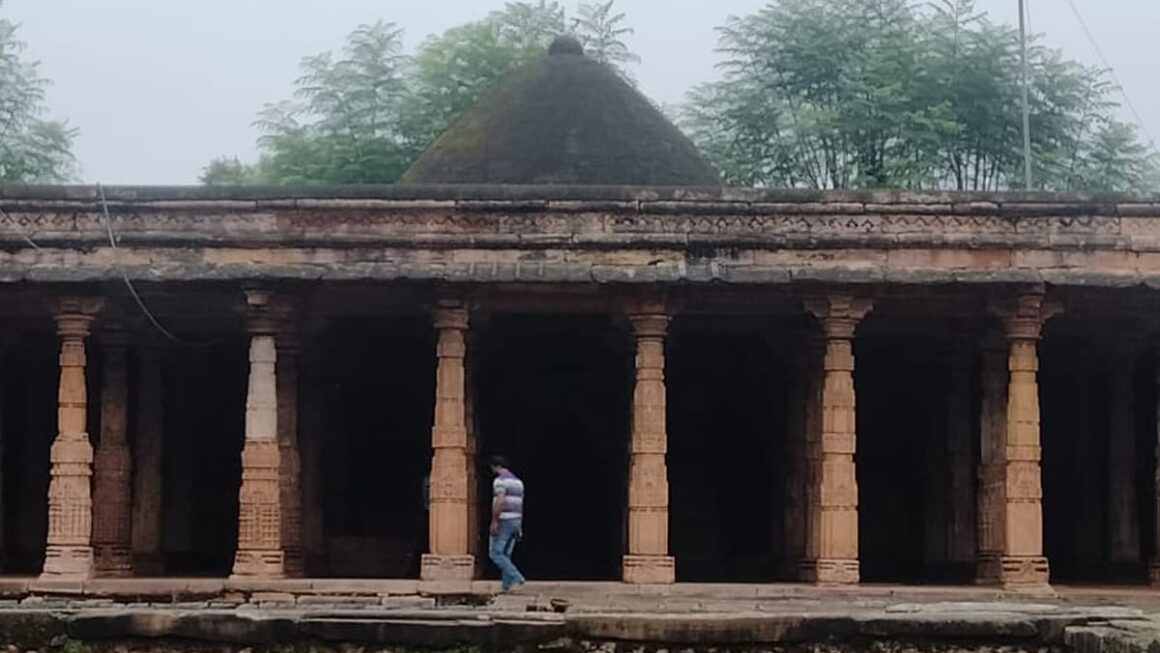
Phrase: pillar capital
{"type": "Point", "coordinates": [646, 304]}
{"type": "Point", "coordinates": [450, 314]}
{"type": "Point", "coordinates": [288, 341]}
{"type": "Point", "coordinates": [839, 314]}
{"type": "Point", "coordinates": [267, 313]}
{"type": "Point", "coordinates": [1024, 316]}
{"type": "Point", "coordinates": [649, 325]}
{"type": "Point", "coordinates": [74, 315]}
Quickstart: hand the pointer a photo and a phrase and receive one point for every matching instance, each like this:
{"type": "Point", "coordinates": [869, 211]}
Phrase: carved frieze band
{"type": "Point", "coordinates": [783, 224]}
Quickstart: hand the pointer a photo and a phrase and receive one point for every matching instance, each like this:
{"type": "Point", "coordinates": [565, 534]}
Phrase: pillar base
{"type": "Point", "coordinates": [447, 567]}
{"type": "Point", "coordinates": [831, 571]}
{"type": "Point", "coordinates": [67, 562]}
{"type": "Point", "coordinates": [650, 570]}
{"type": "Point", "coordinates": [294, 563]}
{"type": "Point", "coordinates": [112, 561]}
{"type": "Point", "coordinates": [1024, 573]}
{"type": "Point", "coordinates": [1154, 573]}
{"type": "Point", "coordinates": [988, 569]}
{"type": "Point", "coordinates": [259, 564]}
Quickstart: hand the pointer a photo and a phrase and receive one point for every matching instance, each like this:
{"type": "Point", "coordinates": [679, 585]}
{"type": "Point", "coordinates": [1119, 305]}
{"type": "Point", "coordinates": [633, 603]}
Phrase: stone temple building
{"type": "Point", "coordinates": [253, 383]}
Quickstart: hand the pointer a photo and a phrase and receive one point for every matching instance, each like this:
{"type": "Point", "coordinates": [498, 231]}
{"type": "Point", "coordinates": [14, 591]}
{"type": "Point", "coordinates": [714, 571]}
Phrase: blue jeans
{"type": "Point", "coordinates": [500, 548]}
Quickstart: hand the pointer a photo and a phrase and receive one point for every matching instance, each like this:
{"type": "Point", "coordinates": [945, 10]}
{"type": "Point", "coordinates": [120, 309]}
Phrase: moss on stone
{"type": "Point", "coordinates": [564, 119]}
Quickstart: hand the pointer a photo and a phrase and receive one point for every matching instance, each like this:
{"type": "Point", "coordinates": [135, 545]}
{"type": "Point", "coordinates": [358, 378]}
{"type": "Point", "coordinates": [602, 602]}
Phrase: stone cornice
{"type": "Point", "coordinates": [578, 234]}
{"type": "Point", "coordinates": [499, 196]}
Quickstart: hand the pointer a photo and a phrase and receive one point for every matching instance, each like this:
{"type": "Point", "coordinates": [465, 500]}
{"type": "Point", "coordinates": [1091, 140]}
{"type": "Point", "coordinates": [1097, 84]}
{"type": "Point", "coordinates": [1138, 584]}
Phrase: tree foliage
{"type": "Point", "coordinates": [884, 93]}
{"type": "Point", "coordinates": [365, 114]}
{"type": "Point", "coordinates": [229, 171]}
{"type": "Point", "coordinates": [602, 30]}
{"type": "Point", "coordinates": [33, 149]}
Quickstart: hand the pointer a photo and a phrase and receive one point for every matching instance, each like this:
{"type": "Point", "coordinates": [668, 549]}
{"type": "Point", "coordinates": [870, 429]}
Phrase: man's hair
{"type": "Point", "coordinates": [497, 461]}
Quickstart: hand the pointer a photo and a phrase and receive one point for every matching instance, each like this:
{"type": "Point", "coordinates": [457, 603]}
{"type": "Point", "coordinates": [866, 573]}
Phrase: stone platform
{"type": "Point", "coordinates": [575, 616]}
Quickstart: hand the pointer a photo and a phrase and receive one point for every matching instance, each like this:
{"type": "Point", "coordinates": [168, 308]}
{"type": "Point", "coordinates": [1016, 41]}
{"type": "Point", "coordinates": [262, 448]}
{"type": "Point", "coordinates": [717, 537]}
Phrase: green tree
{"type": "Point", "coordinates": [602, 30]}
{"type": "Point", "coordinates": [33, 149]}
{"type": "Point", "coordinates": [880, 93]}
{"type": "Point", "coordinates": [343, 125]}
{"type": "Point", "coordinates": [230, 171]}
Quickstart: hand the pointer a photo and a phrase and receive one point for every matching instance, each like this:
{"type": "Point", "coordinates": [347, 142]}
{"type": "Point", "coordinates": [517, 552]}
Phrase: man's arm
{"type": "Point", "coordinates": [496, 509]}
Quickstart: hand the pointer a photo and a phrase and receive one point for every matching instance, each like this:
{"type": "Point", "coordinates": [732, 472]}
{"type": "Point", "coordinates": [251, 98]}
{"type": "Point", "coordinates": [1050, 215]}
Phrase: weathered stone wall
{"type": "Point", "coordinates": [578, 235]}
{"type": "Point", "coordinates": [557, 646]}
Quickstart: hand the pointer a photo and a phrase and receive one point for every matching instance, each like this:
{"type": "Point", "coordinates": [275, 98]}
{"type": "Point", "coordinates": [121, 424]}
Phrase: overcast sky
{"type": "Point", "coordinates": [160, 87]}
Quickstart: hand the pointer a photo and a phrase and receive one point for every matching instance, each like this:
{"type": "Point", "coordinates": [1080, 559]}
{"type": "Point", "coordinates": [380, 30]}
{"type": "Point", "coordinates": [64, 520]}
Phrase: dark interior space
{"type": "Point", "coordinates": [1073, 418]}
{"type": "Point", "coordinates": [1076, 416]}
{"type": "Point", "coordinates": [554, 395]}
{"type": "Point", "coordinates": [898, 466]}
{"type": "Point", "coordinates": [204, 404]}
{"type": "Point", "coordinates": [28, 418]}
{"type": "Point", "coordinates": [726, 427]}
{"type": "Point", "coordinates": [379, 377]}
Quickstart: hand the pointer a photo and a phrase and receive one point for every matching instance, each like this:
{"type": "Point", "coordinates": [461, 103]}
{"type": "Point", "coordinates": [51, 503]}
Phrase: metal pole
{"type": "Point", "coordinates": [1026, 99]}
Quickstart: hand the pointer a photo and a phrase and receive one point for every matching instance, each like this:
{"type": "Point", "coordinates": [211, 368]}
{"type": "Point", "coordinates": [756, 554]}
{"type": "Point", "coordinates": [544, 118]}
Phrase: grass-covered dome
{"type": "Point", "coordinates": [565, 119]}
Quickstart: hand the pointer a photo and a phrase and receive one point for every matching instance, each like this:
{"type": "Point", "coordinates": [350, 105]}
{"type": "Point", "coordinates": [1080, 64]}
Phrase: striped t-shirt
{"type": "Point", "coordinates": [509, 487]}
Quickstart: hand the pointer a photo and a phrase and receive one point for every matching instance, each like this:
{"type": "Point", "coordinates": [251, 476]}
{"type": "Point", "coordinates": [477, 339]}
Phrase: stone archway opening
{"type": "Point", "coordinates": [553, 394]}
{"type": "Point", "coordinates": [203, 399]}
{"type": "Point", "coordinates": [727, 434]}
{"type": "Point", "coordinates": [376, 395]}
{"type": "Point", "coordinates": [1098, 437]}
{"type": "Point", "coordinates": [27, 428]}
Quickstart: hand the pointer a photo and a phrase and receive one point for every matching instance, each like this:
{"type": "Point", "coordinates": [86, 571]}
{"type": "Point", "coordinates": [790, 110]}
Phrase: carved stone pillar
{"type": "Point", "coordinates": [1123, 511]}
{"type": "Point", "coordinates": [991, 491]}
{"type": "Point", "coordinates": [148, 446]}
{"type": "Point", "coordinates": [5, 341]}
{"type": "Point", "coordinates": [1021, 562]}
{"type": "Point", "coordinates": [69, 552]}
{"type": "Point", "coordinates": [960, 524]}
{"type": "Point", "coordinates": [1154, 567]}
{"type": "Point", "coordinates": [112, 465]}
{"type": "Point", "coordinates": [802, 515]}
{"type": "Point", "coordinates": [648, 559]}
{"type": "Point", "coordinates": [449, 531]}
{"type": "Point", "coordinates": [833, 545]}
{"type": "Point", "coordinates": [793, 528]}
{"type": "Point", "coordinates": [288, 347]}
{"type": "Point", "coordinates": [260, 553]}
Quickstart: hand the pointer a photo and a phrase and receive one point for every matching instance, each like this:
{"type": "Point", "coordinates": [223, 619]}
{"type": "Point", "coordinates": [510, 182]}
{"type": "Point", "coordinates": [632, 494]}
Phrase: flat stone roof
{"type": "Point", "coordinates": [510, 193]}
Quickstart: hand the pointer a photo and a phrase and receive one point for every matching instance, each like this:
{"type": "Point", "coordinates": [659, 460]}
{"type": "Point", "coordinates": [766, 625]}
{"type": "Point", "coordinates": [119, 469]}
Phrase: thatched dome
{"type": "Point", "coordinates": [565, 119]}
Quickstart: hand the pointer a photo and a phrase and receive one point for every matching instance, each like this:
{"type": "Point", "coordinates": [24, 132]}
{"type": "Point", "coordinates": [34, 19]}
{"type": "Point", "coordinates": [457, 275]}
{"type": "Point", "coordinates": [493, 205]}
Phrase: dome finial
{"type": "Point", "coordinates": [566, 44]}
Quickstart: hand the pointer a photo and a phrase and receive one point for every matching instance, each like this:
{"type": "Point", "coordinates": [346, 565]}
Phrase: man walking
{"type": "Point", "coordinates": [507, 513]}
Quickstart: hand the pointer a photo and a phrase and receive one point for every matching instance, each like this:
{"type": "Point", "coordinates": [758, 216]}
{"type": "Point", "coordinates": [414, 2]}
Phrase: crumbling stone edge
{"type": "Point", "coordinates": [152, 629]}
